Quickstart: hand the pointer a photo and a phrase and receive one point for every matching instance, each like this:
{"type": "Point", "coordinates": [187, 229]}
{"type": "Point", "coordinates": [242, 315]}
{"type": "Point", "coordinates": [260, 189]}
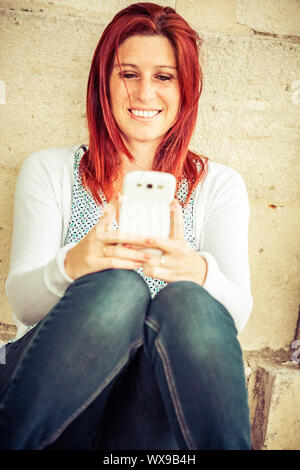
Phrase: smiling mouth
{"type": "Point", "coordinates": [144, 114]}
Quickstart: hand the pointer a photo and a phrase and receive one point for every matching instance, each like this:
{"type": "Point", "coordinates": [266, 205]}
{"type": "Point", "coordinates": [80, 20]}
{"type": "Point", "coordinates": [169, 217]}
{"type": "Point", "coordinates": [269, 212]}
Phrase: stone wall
{"type": "Point", "coordinates": [248, 118]}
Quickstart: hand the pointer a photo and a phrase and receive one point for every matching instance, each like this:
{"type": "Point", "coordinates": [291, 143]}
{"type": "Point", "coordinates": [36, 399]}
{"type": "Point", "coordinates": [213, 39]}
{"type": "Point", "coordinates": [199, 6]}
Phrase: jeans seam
{"type": "Point", "coordinates": [150, 322]}
{"type": "Point", "coordinates": [107, 380]}
{"type": "Point", "coordinates": [174, 395]}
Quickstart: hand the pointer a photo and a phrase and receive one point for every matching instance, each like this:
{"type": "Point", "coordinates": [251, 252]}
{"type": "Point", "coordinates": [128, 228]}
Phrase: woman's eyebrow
{"type": "Point", "coordinates": [156, 66]}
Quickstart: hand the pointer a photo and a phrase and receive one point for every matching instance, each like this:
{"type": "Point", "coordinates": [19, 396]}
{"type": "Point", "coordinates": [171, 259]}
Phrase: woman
{"type": "Point", "coordinates": [129, 350]}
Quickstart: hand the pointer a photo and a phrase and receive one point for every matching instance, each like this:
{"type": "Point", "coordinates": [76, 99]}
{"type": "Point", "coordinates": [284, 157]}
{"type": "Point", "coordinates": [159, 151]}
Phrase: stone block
{"type": "Point", "coordinates": [248, 121]}
{"type": "Point", "coordinates": [273, 387]}
{"type": "Point", "coordinates": [45, 65]}
{"type": "Point", "coordinates": [7, 331]}
{"type": "Point", "coordinates": [275, 272]}
{"type": "Point", "coordinates": [270, 16]}
{"type": "Point", "coordinates": [103, 7]}
{"type": "Point", "coordinates": [211, 15]}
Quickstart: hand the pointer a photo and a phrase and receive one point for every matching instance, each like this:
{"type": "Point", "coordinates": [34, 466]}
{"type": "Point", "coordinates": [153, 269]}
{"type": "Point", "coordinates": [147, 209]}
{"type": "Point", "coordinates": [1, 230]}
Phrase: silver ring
{"type": "Point", "coordinates": [162, 260]}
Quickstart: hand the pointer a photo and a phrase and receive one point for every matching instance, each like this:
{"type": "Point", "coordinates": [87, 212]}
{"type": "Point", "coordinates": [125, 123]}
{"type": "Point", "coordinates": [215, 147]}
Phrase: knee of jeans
{"type": "Point", "coordinates": [185, 310]}
{"type": "Point", "coordinates": [116, 299]}
{"type": "Point", "coordinates": [115, 281]}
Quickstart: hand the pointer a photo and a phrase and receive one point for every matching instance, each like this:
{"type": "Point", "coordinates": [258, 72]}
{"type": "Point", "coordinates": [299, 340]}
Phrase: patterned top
{"type": "Point", "coordinates": [218, 211]}
{"type": "Point", "coordinates": [86, 213]}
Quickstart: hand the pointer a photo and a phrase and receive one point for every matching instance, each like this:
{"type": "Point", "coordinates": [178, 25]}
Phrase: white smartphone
{"type": "Point", "coordinates": [145, 204]}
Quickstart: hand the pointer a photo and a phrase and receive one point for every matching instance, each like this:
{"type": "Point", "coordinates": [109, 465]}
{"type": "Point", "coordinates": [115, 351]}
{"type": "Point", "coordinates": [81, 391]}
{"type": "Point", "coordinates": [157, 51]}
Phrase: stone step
{"type": "Point", "coordinates": [273, 381]}
{"type": "Point", "coordinates": [7, 331]}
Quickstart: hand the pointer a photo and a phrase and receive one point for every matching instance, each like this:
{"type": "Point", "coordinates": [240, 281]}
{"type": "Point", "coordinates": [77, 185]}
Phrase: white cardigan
{"type": "Point", "coordinates": [42, 208]}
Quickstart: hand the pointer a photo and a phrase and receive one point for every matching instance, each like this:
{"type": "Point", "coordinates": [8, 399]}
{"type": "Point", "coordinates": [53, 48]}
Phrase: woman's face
{"type": "Point", "coordinates": [150, 72]}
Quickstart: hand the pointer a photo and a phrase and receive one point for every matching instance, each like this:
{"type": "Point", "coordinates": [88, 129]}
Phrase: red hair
{"type": "Point", "coordinates": [100, 165]}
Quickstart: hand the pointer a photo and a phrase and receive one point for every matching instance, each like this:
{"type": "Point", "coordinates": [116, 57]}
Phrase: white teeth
{"type": "Point", "coordinates": [145, 114]}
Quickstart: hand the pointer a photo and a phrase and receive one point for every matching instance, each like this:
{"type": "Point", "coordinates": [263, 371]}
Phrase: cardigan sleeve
{"type": "Point", "coordinates": [224, 245]}
{"type": "Point", "coordinates": [36, 278]}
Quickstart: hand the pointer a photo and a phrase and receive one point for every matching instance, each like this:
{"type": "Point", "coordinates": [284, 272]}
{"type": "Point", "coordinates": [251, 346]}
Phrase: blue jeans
{"type": "Point", "coordinates": [109, 368]}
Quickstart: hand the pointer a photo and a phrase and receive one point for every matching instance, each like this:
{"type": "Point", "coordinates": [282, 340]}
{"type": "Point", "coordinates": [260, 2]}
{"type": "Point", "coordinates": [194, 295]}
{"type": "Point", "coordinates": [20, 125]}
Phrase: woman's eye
{"type": "Point", "coordinates": [160, 77]}
{"type": "Point", "coordinates": [164, 78]}
{"type": "Point", "coordinates": [128, 75]}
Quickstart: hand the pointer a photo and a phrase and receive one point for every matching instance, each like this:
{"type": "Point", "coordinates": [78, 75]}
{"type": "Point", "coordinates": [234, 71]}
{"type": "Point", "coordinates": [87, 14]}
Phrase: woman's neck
{"type": "Point", "coordinates": [143, 152]}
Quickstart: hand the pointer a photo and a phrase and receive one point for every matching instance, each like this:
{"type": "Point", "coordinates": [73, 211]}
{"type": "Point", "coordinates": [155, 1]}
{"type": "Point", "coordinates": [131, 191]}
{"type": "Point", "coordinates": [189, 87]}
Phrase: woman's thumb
{"type": "Point", "coordinates": [106, 221]}
{"type": "Point", "coordinates": [108, 211]}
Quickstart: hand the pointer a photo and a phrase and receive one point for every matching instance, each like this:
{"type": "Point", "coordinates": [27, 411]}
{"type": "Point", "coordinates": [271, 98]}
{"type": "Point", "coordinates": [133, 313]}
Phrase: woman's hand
{"type": "Point", "coordinates": [181, 261]}
{"type": "Point", "coordinates": [99, 250]}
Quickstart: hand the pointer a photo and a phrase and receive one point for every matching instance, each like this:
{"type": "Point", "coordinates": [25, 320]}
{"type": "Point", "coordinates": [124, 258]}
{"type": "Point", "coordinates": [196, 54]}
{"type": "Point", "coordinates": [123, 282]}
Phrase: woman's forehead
{"type": "Point", "coordinates": [147, 49]}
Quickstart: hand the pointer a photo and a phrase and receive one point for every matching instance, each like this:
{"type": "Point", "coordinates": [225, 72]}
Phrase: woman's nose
{"type": "Point", "coordinates": [145, 89]}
